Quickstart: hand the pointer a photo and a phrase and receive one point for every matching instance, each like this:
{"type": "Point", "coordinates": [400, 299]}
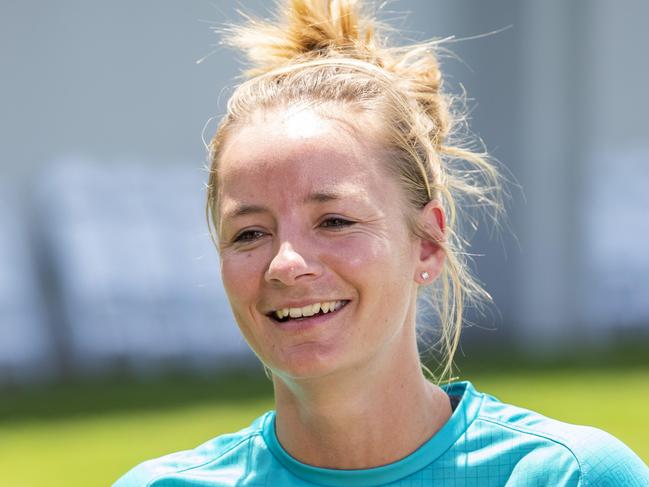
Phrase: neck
{"type": "Point", "coordinates": [361, 418]}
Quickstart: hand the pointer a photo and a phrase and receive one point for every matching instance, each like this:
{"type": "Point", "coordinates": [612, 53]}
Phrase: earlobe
{"type": "Point", "coordinates": [432, 255]}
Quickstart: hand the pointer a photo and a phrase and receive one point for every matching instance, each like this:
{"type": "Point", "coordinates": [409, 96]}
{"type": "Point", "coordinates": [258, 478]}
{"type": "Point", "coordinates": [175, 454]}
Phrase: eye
{"type": "Point", "coordinates": [248, 236]}
{"type": "Point", "coordinates": [336, 222]}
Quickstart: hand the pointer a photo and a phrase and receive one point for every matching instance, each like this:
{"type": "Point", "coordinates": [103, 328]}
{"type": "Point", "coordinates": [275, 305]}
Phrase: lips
{"type": "Point", "coordinates": [295, 313]}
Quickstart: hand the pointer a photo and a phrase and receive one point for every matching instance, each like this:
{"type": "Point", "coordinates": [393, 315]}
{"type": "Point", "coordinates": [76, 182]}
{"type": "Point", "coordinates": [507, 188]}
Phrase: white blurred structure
{"type": "Point", "coordinates": [136, 272]}
{"type": "Point", "coordinates": [615, 256]}
{"type": "Point", "coordinates": [25, 341]}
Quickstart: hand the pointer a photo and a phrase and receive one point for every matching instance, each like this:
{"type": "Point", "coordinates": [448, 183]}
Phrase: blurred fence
{"type": "Point", "coordinates": [24, 346]}
{"type": "Point", "coordinates": [126, 275]}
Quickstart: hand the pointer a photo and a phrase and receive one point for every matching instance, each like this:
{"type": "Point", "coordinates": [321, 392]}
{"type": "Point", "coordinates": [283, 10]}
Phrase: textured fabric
{"type": "Point", "coordinates": [485, 444]}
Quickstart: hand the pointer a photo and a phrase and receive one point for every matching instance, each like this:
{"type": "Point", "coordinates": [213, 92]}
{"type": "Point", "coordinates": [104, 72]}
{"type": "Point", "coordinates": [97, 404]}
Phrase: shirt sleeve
{"type": "Point", "coordinates": [608, 462]}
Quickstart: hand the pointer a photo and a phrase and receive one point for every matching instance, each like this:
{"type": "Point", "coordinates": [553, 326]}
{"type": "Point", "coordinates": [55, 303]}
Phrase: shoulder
{"type": "Point", "coordinates": [228, 453]}
{"type": "Point", "coordinates": [582, 455]}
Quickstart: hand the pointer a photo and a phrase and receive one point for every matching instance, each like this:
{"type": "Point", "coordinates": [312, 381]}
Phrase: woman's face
{"type": "Point", "coordinates": [310, 223]}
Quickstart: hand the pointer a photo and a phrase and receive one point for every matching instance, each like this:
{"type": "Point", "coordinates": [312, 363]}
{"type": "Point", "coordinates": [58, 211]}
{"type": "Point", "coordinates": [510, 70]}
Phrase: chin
{"type": "Point", "coordinates": [308, 362]}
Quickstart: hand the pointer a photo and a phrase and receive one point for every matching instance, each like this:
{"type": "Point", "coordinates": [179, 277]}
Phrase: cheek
{"type": "Point", "coordinates": [377, 257]}
{"type": "Point", "coordinates": [240, 275]}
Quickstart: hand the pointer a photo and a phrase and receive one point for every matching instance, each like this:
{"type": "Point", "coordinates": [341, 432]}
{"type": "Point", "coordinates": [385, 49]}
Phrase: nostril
{"type": "Point", "coordinates": [288, 265]}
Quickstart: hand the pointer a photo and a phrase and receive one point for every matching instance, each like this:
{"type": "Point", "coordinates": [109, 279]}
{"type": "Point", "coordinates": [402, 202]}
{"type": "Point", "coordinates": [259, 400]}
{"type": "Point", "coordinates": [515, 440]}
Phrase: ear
{"type": "Point", "coordinates": [432, 224]}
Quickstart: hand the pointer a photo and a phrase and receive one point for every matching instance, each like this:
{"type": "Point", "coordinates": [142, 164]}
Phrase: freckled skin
{"type": "Point", "coordinates": [294, 252]}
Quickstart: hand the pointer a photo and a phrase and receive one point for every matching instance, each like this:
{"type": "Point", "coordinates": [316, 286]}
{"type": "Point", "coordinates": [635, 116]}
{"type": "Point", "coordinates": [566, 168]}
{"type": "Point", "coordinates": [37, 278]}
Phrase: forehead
{"type": "Point", "coordinates": [295, 154]}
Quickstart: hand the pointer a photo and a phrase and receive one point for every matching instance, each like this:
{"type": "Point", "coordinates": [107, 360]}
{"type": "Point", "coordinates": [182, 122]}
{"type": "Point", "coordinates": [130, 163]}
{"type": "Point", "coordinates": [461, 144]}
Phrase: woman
{"type": "Point", "coordinates": [332, 198]}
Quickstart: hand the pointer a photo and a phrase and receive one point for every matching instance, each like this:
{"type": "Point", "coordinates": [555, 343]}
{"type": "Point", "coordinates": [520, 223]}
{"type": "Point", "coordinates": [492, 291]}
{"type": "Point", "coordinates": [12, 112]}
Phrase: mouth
{"type": "Point", "coordinates": [284, 315]}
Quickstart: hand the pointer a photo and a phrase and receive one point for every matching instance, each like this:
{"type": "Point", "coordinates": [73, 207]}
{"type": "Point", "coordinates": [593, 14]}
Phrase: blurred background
{"type": "Point", "coordinates": [114, 328]}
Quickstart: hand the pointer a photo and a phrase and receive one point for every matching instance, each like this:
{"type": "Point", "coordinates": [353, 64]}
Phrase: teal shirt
{"type": "Point", "coordinates": [484, 444]}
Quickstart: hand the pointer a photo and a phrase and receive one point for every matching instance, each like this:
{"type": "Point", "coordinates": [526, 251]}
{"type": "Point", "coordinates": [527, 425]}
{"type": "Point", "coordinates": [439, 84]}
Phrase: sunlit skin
{"type": "Point", "coordinates": [307, 214]}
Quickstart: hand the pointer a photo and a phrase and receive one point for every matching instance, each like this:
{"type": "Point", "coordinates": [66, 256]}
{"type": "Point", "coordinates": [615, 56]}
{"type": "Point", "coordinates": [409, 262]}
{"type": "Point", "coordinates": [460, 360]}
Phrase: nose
{"type": "Point", "coordinates": [288, 266]}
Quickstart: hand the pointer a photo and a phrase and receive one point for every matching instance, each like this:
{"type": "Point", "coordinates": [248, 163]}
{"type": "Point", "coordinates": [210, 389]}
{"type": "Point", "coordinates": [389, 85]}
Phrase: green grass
{"type": "Point", "coordinates": [89, 434]}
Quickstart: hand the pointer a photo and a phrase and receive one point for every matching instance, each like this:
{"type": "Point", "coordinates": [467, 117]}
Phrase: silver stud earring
{"type": "Point", "coordinates": [425, 275]}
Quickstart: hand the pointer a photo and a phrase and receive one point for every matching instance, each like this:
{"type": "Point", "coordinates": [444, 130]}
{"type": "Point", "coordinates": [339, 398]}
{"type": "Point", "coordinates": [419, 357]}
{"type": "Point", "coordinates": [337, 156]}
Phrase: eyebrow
{"type": "Point", "coordinates": [318, 197]}
{"type": "Point", "coordinates": [243, 210]}
{"type": "Point", "coordinates": [322, 197]}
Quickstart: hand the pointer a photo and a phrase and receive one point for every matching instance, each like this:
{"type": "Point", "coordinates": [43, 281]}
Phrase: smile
{"type": "Point", "coordinates": [286, 314]}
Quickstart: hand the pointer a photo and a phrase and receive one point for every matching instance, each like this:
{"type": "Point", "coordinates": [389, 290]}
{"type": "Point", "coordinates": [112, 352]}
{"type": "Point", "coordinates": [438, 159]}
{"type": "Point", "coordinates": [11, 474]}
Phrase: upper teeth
{"type": "Point", "coordinates": [309, 309]}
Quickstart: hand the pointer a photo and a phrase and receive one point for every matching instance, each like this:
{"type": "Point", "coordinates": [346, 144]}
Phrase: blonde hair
{"type": "Point", "coordinates": [333, 52]}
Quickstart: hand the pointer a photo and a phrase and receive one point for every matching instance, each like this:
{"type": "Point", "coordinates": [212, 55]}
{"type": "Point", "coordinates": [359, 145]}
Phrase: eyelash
{"type": "Point", "coordinates": [244, 237]}
{"type": "Point", "coordinates": [340, 222]}
{"type": "Point", "coordinates": [335, 223]}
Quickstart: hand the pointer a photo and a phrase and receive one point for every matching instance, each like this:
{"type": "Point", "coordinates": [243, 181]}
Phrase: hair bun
{"type": "Point", "coordinates": [311, 29]}
{"type": "Point", "coordinates": [307, 29]}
